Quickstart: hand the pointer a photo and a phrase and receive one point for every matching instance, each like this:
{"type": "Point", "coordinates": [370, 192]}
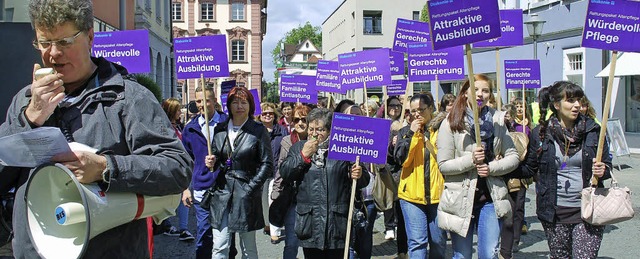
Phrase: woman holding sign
{"type": "Point", "coordinates": [242, 152]}
{"type": "Point", "coordinates": [475, 196]}
{"type": "Point", "coordinates": [562, 153]}
{"type": "Point", "coordinates": [324, 190]}
{"type": "Point", "coordinates": [421, 183]}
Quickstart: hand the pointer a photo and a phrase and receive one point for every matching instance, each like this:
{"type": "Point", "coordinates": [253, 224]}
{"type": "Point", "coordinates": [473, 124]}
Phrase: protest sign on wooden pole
{"type": "Point", "coordinates": [472, 94]}
{"type": "Point", "coordinates": [206, 114]}
{"type": "Point", "coordinates": [354, 183]}
{"type": "Point", "coordinates": [605, 112]}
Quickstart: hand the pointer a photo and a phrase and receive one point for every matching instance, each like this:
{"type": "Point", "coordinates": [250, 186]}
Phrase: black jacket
{"type": "Point", "coordinates": [239, 188]}
{"type": "Point", "coordinates": [540, 160]}
{"type": "Point", "coordinates": [323, 198]}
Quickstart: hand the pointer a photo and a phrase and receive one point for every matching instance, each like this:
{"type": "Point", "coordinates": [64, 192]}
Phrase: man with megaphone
{"type": "Point", "coordinates": [94, 102]}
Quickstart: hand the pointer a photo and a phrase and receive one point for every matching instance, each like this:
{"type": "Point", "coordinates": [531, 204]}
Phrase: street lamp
{"type": "Point", "coordinates": [534, 27]}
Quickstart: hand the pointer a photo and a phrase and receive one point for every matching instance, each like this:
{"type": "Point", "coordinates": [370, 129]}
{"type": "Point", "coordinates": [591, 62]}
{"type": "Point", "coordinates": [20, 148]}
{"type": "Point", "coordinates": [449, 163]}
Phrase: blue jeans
{"type": "Point", "coordinates": [365, 240]}
{"type": "Point", "coordinates": [488, 225]}
{"type": "Point", "coordinates": [183, 216]}
{"type": "Point", "coordinates": [223, 240]}
{"type": "Point", "coordinates": [204, 237]}
{"type": "Point", "coordinates": [291, 241]}
{"type": "Point", "coordinates": [421, 235]}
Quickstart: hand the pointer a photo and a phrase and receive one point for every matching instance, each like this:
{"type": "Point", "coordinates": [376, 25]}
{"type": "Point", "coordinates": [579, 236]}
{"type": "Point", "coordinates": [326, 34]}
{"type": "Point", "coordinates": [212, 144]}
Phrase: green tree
{"type": "Point", "coordinates": [270, 92]}
{"type": "Point", "coordinates": [424, 15]}
{"type": "Point", "coordinates": [150, 84]}
{"type": "Point", "coordinates": [297, 35]}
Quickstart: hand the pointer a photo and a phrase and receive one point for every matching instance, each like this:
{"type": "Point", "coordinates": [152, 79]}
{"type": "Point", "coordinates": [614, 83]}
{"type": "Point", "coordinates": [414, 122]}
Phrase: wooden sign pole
{"type": "Point", "coordinates": [605, 112]}
{"type": "Point", "coordinates": [472, 94]}
{"type": "Point", "coordinates": [354, 183]}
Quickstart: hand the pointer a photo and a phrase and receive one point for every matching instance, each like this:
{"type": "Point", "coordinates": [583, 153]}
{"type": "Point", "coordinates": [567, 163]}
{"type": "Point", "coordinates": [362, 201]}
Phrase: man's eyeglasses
{"type": "Point", "coordinates": [61, 43]}
{"type": "Point", "coordinates": [296, 120]}
{"type": "Point", "coordinates": [319, 130]}
{"type": "Point", "coordinates": [419, 110]}
{"type": "Point", "coordinates": [268, 114]}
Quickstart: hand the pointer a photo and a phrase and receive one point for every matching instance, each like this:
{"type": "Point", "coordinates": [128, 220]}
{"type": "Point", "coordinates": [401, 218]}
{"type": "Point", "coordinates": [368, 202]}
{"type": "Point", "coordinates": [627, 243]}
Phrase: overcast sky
{"type": "Point", "coordinates": [284, 15]}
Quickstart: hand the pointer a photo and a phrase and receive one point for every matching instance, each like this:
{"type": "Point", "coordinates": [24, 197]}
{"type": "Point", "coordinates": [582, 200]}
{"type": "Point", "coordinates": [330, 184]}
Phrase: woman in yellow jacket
{"type": "Point", "coordinates": [421, 183]}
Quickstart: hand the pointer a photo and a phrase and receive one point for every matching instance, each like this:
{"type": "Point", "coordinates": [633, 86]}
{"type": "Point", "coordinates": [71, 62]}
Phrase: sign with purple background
{"type": "Point", "coordinates": [425, 63]}
{"type": "Point", "coordinates": [201, 55]}
{"type": "Point", "coordinates": [353, 135]}
{"type": "Point", "coordinates": [612, 25]}
{"type": "Point", "coordinates": [396, 63]}
{"type": "Point", "coordinates": [370, 66]}
{"type": "Point", "coordinates": [518, 72]}
{"type": "Point", "coordinates": [409, 31]}
{"type": "Point", "coordinates": [328, 77]}
{"type": "Point", "coordinates": [127, 48]}
{"type": "Point", "coordinates": [256, 100]}
{"type": "Point", "coordinates": [458, 22]}
{"type": "Point", "coordinates": [511, 24]}
{"type": "Point", "coordinates": [226, 86]}
{"type": "Point", "coordinates": [397, 87]}
{"type": "Point", "coordinates": [295, 88]}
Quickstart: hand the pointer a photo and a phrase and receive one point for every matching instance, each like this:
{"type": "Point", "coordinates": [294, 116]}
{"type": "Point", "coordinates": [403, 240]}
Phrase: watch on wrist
{"type": "Point", "coordinates": [106, 175]}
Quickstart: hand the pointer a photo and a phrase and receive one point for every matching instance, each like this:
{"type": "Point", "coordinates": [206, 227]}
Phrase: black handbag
{"type": "Point", "coordinates": [206, 199]}
{"type": "Point", "coordinates": [279, 207]}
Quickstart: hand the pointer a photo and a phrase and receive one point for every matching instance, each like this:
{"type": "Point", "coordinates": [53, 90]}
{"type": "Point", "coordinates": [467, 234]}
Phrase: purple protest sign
{"type": "Point", "coordinates": [396, 63]}
{"type": "Point", "coordinates": [511, 24]}
{"type": "Point", "coordinates": [295, 88]}
{"type": "Point", "coordinates": [328, 77]}
{"type": "Point", "coordinates": [459, 22]}
{"type": "Point", "coordinates": [409, 31]}
{"type": "Point", "coordinates": [370, 66]}
{"type": "Point", "coordinates": [519, 72]}
{"type": "Point", "coordinates": [226, 86]}
{"type": "Point", "coordinates": [127, 48]}
{"type": "Point", "coordinates": [612, 25]}
{"type": "Point", "coordinates": [256, 100]}
{"type": "Point", "coordinates": [397, 87]}
{"type": "Point", "coordinates": [201, 55]}
{"type": "Point", "coordinates": [425, 63]}
{"type": "Point", "coordinates": [353, 135]}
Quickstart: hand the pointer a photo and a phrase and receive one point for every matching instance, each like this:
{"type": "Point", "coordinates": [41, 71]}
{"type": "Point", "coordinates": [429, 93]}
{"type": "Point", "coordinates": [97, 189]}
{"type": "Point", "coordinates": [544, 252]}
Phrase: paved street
{"type": "Point", "coordinates": [620, 240]}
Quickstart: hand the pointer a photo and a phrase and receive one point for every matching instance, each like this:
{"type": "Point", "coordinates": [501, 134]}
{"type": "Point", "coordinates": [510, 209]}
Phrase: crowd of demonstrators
{"type": "Point", "coordinates": [242, 153]}
{"type": "Point", "coordinates": [172, 108]}
{"type": "Point", "coordinates": [276, 133]}
{"type": "Point", "coordinates": [94, 102]}
{"type": "Point", "coordinates": [444, 180]}
{"type": "Point", "coordinates": [420, 183]}
{"type": "Point", "coordinates": [562, 153]}
{"type": "Point", "coordinates": [285, 192]}
{"type": "Point", "coordinates": [475, 195]}
{"type": "Point", "coordinates": [324, 189]}
{"type": "Point", "coordinates": [195, 142]}
{"type": "Point", "coordinates": [286, 108]}
{"type": "Point", "coordinates": [517, 185]}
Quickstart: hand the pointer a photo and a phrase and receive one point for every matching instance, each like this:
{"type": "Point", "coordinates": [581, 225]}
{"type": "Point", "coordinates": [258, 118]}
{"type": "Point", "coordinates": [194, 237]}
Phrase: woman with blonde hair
{"type": "Point", "coordinates": [475, 196]}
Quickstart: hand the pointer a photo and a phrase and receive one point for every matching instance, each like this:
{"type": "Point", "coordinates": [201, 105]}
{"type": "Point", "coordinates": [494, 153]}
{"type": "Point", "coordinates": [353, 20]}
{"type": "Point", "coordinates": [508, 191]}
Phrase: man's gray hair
{"type": "Point", "coordinates": [47, 14]}
{"type": "Point", "coordinates": [322, 114]}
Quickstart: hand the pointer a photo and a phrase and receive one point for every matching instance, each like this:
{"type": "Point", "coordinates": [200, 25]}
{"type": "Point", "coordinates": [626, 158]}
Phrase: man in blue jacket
{"type": "Point", "coordinates": [193, 138]}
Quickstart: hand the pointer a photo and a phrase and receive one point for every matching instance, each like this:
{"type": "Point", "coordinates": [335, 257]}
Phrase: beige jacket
{"type": "Point", "coordinates": [456, 165]}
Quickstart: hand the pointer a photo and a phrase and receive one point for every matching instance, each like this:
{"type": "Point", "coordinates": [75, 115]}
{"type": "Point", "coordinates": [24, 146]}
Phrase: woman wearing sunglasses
{"type": "Point", "coordinates": [285, 192]}
{"type": "Point", "coordinates": [277, 132]}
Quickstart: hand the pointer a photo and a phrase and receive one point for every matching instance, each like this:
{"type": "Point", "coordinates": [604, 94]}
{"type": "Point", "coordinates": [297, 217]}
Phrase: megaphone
{"type": "Point", "coordinates": [63, 214]}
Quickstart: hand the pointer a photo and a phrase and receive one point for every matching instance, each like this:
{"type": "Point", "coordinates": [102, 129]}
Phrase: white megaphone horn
{"type": "Point", "coordinates": [63, 214]}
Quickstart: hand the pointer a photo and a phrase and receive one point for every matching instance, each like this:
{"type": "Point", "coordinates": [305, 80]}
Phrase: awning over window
{"type": "Point", "coordinates": [628, 64]}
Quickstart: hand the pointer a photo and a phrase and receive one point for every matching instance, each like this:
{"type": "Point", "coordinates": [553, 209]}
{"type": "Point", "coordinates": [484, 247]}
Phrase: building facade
{"type": "Point", "coordinates": [358, 25]}
{"type": "Point", "coordinates": [244, 24]}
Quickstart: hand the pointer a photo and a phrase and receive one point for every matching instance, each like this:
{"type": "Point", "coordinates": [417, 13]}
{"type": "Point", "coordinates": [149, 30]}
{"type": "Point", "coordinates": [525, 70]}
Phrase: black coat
{"type": "Point", "coordinates": [540, 160]}
{"type": "Point", "coordinates": [323, 198]}
{"type": "Point", "coordinates": [239, 188]}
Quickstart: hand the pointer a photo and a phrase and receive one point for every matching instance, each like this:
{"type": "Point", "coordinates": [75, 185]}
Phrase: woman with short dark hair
{"type": "Point", "coordinates": [324, 191]}
{"type": "Point", "coordinates": [242, 153]}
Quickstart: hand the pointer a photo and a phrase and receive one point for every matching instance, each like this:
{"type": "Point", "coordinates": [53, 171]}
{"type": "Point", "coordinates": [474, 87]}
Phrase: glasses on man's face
{"type": "Point", "coordinates": [61, 43]}
{"type": "Point", "coordinates": [419, 110]}
{"type": "Point", "coordinates": [268, 114]}
{"type": "Point", "coordinates": [319, 130]}
{"type": "Point", "coordinates": [394, 106]}
{"type": "Point", "coordinates": [297, 119]}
